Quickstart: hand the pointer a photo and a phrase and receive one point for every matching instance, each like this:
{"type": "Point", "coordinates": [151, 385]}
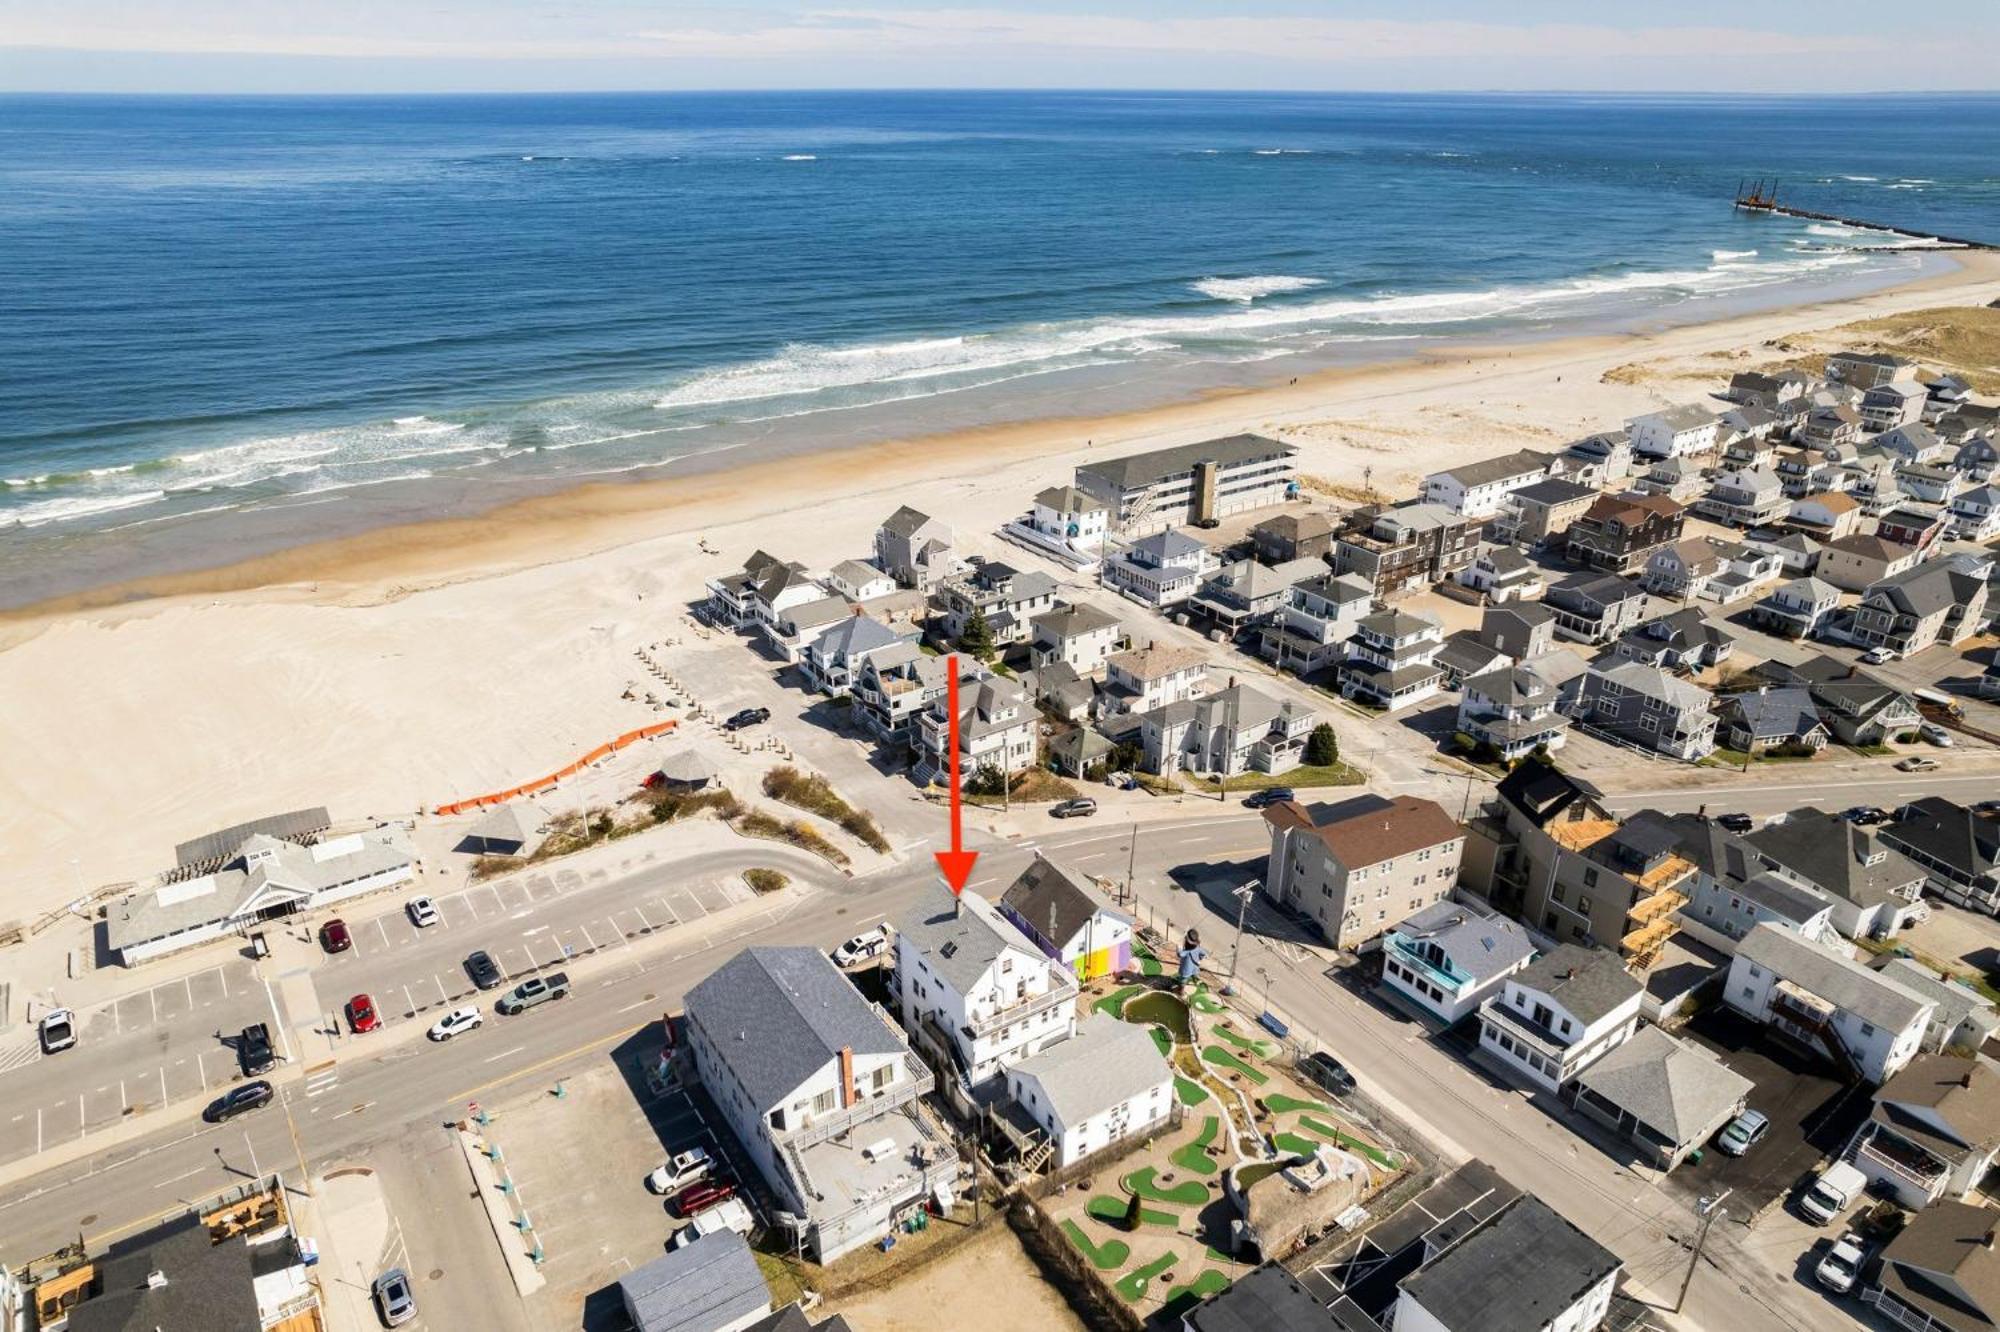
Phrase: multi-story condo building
{"type": "Point", "coordinates": [1648, 707]}
{"type": "Point", "coordinates": [1512, 709]}
{"type": "Point", "coordinates": [1682, 569]}
{"type": "Point", "coordinates": [1391, 660]}
{"type": "Point", "coordinates": [1244, 594]}
{"type": "Point", "coordinates": [893, 688]}
{"type": "Point", "coordinates": [1540, 513]}
{"type": "Point", "coordinates": [977, 995]}
{"type": "Point", "coordinates": [1594, 607]}
{"type": "Point", "coordinates": [832, 662]}
{"type": "Point", "coordinates": [1617, 532]}
{"type": "Point", "coordinates": [1958, 849]}
{"type": "Point", "coordinates": [1293, 536]}
{"type": "Point", "coordinates": [1477, 489]}
{"type": "Point", "coordinates": [1357, 866]}
{"type": "Point", "coordinates": [915, 549]}
{"type": "Point", "coordinates": [821, 1093]}
{"type": "Point", "coordinates": [996, 730]}
{"type": "Point", "coordinates": [1560, 1014]}
{"type": "Point", "coordinates": [1081, 637]}
{"type": "Point", "coordinates": [1310, 631]}
{"type": "Point", "coordinates": [1889, 406]}
{"type": "Point", "coordinates": [1190, 483]}
{"type": "Point", "coordinates": [1160, 570]}
{"type": "Point", "coordinates": [1745, 497]}
{"type": "Point", "coordinates": [1923, 605]}
{"type": "Point", "coordinates": [1867, 370]}
{"type": "Point", "coordinates": [1864, 1022]}
{"type": "Point", "coordinates": [1229, 732]}
{"type": "Point", "coordinates": [1676, 432]}
{"type": "Point", "coordinates": [1407, 548]}
{"type": "Point", "coordinates": [1141, 679]}
{"type": "Point", "coordinates": [1009, 598]}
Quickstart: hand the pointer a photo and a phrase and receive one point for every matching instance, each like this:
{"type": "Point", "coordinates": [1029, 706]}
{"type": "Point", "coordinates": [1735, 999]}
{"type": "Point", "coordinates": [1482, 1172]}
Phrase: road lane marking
{"type": "Point", "coordinates": [642, 1003]}
{"type": "Point", "coordinates": [224, 975]}
{"type": "Point", "coordinates": [178, 1178]}
{"type": "Point", "coordinates": [354, 1110]}
{"type": "Point", "coordinates": [504, 1054]}
{"type": "Point", "coordinates": [383, 930]}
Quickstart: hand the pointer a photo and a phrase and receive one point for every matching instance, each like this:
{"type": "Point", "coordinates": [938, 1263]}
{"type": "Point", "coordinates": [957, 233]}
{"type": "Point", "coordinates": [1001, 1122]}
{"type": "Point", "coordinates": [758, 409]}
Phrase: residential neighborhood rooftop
{"type": "Point", "coordinates": [1370, 829]}
{"type": "Point", "coordinates": [1516, 1271]}
{"type": "Point", "coordinates": [1589, 982]}
{"type": "Point", "coordinates": [1840, 980]}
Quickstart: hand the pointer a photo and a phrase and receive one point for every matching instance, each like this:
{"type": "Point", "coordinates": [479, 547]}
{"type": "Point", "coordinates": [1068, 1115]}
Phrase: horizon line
{"type": "Point", "coordinates": [856, 89]}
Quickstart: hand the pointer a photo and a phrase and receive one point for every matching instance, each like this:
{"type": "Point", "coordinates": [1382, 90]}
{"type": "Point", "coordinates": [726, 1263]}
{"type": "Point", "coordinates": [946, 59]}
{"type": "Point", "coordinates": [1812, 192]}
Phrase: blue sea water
{"type": "Point", "coordinates": [230, 306]}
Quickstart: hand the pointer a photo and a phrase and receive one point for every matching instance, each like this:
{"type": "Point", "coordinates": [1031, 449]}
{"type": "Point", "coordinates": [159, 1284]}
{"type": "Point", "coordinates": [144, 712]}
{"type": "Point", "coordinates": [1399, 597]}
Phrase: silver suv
{"type": "Point", "coordinates": [532, 991]}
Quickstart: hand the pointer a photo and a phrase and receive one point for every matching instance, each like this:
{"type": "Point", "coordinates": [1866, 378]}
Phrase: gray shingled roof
{"type": "Point", "coordinates": [1487, 470]}
{"type": "Point", "coordinates": [959, 944]}
{"type": "Point", "coordinates": [1143, 469]}
{"type": "Point", "coordinates": [1589, 982]}
{"type": "Point", "coordinates": [1071, 621]}
{"type": "Point", "coordinates": [1052, 899]}
{"type": "Point", "coordinates": [905, 521]}
{"type": "Point", "coordinates": [1783, 712]}
{"type": "Point", "coordinates": [1850, 862]}
{"type": "Point", "coordinates": [1106, 1062]}
{"type": "Point", "coordinates": [711, 1283]}
{"type": "Point", "coordinates": [1482, 1283]}
{"type": "Point", "coordinates": [1676, 1088]}
{"type": "Point", "coordinates": [1479, 946]}
{"type": "Point", "coordinates": [778, 1015]}
{"type": "Point", "coordinates": [1839, 980]}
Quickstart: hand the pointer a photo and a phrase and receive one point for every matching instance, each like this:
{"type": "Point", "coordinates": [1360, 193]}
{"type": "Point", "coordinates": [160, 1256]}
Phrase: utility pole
{"type": "Point", "coordinates": [1711, 1210]}
{"type": "Point", "coordinates": [1243, 896]}
{"type": "Point", "coordinates": [1131, 868]}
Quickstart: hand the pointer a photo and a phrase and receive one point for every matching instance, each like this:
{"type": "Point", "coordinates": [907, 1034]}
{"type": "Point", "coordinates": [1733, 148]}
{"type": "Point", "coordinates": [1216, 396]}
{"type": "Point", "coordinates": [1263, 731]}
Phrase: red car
{"type": "Point", "coordinates": [701, 1197]}
{"type": "Point", "coordinates": [333, 937]}
{"type": "Point", "coordinates": [361, 1014]}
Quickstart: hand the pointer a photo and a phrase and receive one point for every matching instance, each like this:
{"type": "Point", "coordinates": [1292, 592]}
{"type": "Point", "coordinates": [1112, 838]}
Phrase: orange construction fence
{"type": "Point", "coordinates": [544, 783]}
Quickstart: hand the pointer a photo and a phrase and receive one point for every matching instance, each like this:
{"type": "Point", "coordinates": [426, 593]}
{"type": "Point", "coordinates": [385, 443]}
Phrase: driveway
{"type": "Point", "coordinates": [1813, 1114]}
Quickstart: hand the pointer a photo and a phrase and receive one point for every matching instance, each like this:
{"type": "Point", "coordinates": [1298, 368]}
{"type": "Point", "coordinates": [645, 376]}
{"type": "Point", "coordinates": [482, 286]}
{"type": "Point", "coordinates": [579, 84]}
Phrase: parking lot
{"type": "Point", "coordinates": [1813, 1113]}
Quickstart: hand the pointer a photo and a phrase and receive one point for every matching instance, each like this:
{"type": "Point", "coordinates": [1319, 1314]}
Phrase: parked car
{"type": "Point", "coordinates": [863, 947]}
{"type": "Point", "coordinates": [1736, 823]}
{"type": "Point", "coordinates": [238, 1100]}
{"type": "Point", "coordinates": [688, 1167]}
{"type": "Point", "coordinates": [333, 936]}
{"type": "Point", "coordinates": [747, 717]}
{"type": "Point", "coordinates": [485, 972]}
{"type": "Point", "coordinates": [1270, 795]}
{"type": "Point", "coordinates": [532, 991]}
{"type": "Point", "coordinates": [1830, 1195]}
{"type": "Point", "coordinates": [1743, 1132]}
{"type": "Point", "coordinates": [361, 1014]}
{"type": "Point", "coordinates": [1878, 656]}
{"type": "Point", "coordinates": [1986, 807]}
{"type": "Point", "coordinates": [1917, 763]}
{"type": "Point", "coordinates": [692, 1202]}
{"type": "Point", "coordinates": [253, 1050]}
{"type": "Point", "coordinates": [1082, 807]}
{"type": "Point", "coordinates": [1842, 1264]}
{"type": "Point", "coordinates": [730, 1215]}
{"type": "Point", "coordinates": [1935, 734]}
{"type": "Point", "coordinates": [454, 1022]}
{"type": "Point", "coordinates": [423, 912]}
{"type": "Point", "coordinates": [394, 1300]}
{"type": "Point", "coordinates": [58, 1030]}
{"type": "Point", "coordinates": [1865, 816]}
{"type": "Point", "coordinates": [1328, 1072]}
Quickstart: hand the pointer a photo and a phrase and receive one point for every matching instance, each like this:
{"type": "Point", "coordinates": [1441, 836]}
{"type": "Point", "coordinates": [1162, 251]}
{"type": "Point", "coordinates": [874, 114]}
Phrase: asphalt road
{"type": "Point", "coordinates": [1780, 789]}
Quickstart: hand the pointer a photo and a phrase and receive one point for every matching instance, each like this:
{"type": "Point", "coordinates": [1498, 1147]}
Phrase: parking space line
{"type": "Point", "coordinates": [222, 973]}
{"type": "Point", "coordinates": [382, 930]}
{"type": "Point", "coordinates": [642, 919]}
{"type": "Point", "coordinates": [443, 998]}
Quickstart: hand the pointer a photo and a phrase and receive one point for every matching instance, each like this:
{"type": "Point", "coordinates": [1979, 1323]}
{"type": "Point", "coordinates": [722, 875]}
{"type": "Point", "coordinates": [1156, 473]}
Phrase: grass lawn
{"type": "Point", "coordinates": [1210, 1282]}
{"type": "Point", "coordinates": [1187, 1193]}
{"type": "Point", "coordinates": [1736, 758]}
{"type": "Point", "coordinates": [1111, 1211]}
{"type": "Point", "coordinates": [1334, 774]}
{"type": "Point", "coordinates": [1106, 1257]}
{"type": "Point", "coordinates": [1220, 1057]}
{"type": "Point", "coordinates": [1189, 1091]}
{"type": "Point", "coordinates": [1335, 1136]}
{"type": "Point", "coordinates": [1278, 1103]}
{"type": "Point", "coordinates": [1262, 1049]}
{"type": "Point", "coordinates": [1133, 1284]}
{"type": "Point", "coordinates": [1114, 1004]}
{"type": "Point", "coordinates": [1190, 1157]}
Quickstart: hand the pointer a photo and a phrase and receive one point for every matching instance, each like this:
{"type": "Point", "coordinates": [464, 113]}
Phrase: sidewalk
{"type": "Point", "coordinates": [515, 1247]}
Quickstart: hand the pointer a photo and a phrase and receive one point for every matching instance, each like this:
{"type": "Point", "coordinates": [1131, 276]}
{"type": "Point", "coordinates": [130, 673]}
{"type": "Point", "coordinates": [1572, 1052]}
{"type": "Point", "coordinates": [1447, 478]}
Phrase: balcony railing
{"type": "Point", "coordinates": [1649, 909]}
{"type": "Point", "coordinates": [915, 1082]}
{"type": "Point", "coordinates": [1062, 990]}
{"type": "Point", "coordinates": [1442, 972]}
{"type": "Point", "coordinates": [1524, 1028]}
{"type": "Point", "coordinates": [1802, 1005]}
{"type": "Point", "coordinates": [1905, 1160]}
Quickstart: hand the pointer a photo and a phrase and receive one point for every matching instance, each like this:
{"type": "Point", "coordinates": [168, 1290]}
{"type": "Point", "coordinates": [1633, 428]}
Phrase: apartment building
{"type": "Point", "coordinates": [1356, 866]}
{"type": "Point", "coordinates": [1447, 957]}
{"type": "Point", "coordinates": [1160, 570]}
{"type": "Point", "coordinates": [1227, 733]}
{"type": "Point", "coordinates": [1310, 631]}
{"type": "Point", "coordinates": [1406, 548]}
{"type": "Point", "coordinates": [1190, 483]}
{"type": "Point", "coordinates": [1560, 1014]}
{"type": "Point", "coordinates": [1618, 532]}
{"type": "Point", "coordinates": [915, 549]}
{"type": "Point", "coordinates": [1863, 1021]}
{"type": "Point", "coordinates": [1676, 432]}
{"type": "Point", "coordinates": [1646, 706]}
{"type": "Point", "coordinates": [1391, 660]}
{"type": "Point", "coordinates": [1479, 489]}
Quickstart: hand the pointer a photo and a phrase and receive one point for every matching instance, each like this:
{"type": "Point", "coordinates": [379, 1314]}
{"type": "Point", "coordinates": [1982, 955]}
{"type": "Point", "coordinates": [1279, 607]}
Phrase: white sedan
{"type": "Point", "coordinates": [454, 1022]}
{"type": "Point", "coordinates": [423, 912]}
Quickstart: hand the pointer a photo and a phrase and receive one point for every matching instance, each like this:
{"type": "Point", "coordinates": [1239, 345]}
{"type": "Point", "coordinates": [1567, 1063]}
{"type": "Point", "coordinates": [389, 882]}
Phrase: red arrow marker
{"type": "Point", "coordinates": [956, 863]}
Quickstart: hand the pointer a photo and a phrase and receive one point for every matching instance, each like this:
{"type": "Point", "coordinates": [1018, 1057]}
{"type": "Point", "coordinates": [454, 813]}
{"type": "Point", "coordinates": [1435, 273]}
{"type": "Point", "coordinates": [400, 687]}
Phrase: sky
{"type": "Point", "coordinates": [382, 46]}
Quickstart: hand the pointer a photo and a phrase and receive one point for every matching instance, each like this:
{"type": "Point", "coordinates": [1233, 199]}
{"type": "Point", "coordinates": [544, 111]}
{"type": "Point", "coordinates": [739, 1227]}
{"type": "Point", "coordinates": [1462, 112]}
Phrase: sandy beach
{"type": "Point", "coordinates": [404, 668]}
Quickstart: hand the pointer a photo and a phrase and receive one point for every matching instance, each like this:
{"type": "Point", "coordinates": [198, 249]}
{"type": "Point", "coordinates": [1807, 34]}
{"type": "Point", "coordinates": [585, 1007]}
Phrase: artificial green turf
{"type": "Point", "coordinates": [1205, 1001]}
{"type": "Point", "coordinates": [1114, 1004]}
{"type": "Point", "coordinates": [1293, 1145]}
{"type": "Point", "coordinates": [1134, 1283]}
{"type": "Point", "coordinates": [1190, 1091]}
{"type": "Point", "coordinates": [1352, 1144]}
{"type": "Point", "coordinates": [1215, 1054]}
{"type": "Point", "coordinates": [1187, 1193]}
{"type": "Point", "coordinates": [1210, 1282]}
{"type": "Point", "coordinates": [1278, 1103]}
{"type": "Point", "coordinates": [1107, 1257]}
{"type": "Point", "coordinates": [1190, 1156]}
{"type": "Point", "coordinates": [1162, 1040]}
{"type": "Point", "coordinates": [1111, 1211]}
{"type": "Point", "coordinates": [1262, 1049]}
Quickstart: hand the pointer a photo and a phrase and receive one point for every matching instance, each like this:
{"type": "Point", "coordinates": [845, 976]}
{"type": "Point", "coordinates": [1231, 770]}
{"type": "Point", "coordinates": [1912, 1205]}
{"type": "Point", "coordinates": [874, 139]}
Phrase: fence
{"type": "Point", "coordinates": [1069, 1271]}
{"type": "Point", "coordinates": [603, 751]}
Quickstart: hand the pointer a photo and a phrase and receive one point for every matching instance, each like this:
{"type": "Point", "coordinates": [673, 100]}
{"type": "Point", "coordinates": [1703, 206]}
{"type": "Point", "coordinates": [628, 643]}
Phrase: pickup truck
{"type": "Point", "coordinates": [532, 991]}
{"type": "Point", "coordinates": [253, 1050]}
{"type": "Point", "coordinates": [730, 1214]}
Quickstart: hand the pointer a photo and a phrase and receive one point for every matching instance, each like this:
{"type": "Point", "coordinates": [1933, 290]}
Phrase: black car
{"type": "Point", "coordinates": [253, 1050]}
{"type": "Point", "coordinates": [1865, 815]}
{"type": "Point", "coordinates": [1736, 823]}
{"type": "Point", "coordinates": [1270, 795]}
{"type": "Point", "coordinates": [485, 972]}
{"type": "Point", "coordinates": [1986, 807]}
{"type": "Point", "coordinates": [1328, 1072]}
{"type": "Point", "coordinates": [747, 717]}
{"type": "Point", "coordinates": [239, 1100]}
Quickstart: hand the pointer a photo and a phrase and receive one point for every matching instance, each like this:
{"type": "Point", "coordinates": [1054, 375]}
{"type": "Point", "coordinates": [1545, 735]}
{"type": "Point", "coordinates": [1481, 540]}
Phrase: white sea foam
{"type": "Point", "coordinates": [1247, 289]}
{"type": "Point", "coordinates": [800, 157]}
{"type": "Point", "coordinates": [1725, 256]}
{"type": "Point", "coordinates": [1866, 180]}
{"type": "Point", "coordinates": [70, 509]}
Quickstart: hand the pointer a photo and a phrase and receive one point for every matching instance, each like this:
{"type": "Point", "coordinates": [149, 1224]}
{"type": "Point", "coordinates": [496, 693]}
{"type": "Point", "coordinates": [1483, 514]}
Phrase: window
{"type": "Point", "coordinates": [882, 1077]}
{"type": "Point", "coordinates": [1590, 878]}
{"type": "Point", "coordinates": [1583, 904]}
{"type": "Point", "coordinates": [1557, 893]}
{"type": "Point", "coordinates": [1749, 992]}
{"type": "Point", "coordinates": [1867, 1029]}
{"type": "Point", "coordinates": [824, 1102]}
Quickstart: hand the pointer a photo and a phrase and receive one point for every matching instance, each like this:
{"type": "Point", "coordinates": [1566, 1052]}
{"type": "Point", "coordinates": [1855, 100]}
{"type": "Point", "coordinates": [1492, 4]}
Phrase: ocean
{"type": "Point", "coordinates": [231, 323]}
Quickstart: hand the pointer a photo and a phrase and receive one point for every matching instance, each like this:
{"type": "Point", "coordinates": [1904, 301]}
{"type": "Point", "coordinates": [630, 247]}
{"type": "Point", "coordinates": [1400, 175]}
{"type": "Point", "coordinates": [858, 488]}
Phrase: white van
{"type": "Point", "coordinates": [1838, 1186]}
{"type": "Point", "coordinates": [732, 1214]}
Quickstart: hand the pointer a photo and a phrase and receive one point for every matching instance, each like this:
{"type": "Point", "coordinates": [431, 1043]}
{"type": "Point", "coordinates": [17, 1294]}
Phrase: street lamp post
{"type": "Point", "coordinates": [1243, 896]}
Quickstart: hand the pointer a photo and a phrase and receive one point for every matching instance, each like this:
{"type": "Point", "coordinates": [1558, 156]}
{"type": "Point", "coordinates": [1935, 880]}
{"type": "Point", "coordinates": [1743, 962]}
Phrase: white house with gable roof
{"type": "Point", "coordinates": [1862, 1020]}
{"type": "Point", "coordinates": [1106, 1083]}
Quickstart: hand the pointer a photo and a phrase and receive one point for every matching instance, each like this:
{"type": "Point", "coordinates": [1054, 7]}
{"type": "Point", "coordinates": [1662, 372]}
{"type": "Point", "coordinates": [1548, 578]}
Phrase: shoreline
{"type": "Point", "coordinates": [707, 490]}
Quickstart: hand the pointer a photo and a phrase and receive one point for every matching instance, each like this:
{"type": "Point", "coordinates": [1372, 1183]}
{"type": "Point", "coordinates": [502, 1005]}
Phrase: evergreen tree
{"type": "Point", "coordinates": [977, 640]}
{"type": "Point", "coordinates": [1322, 746]}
